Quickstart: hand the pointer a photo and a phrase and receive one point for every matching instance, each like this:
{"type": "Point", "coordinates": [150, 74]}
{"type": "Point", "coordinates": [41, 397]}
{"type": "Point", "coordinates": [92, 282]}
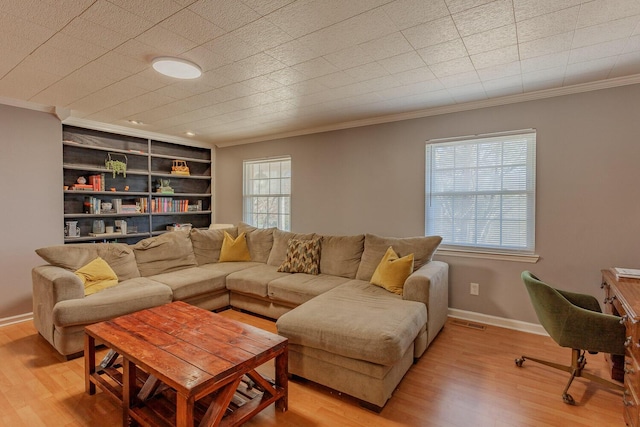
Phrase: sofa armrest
{"type": "Point", "coordinates": [430, 285]}
{"type": "Point", "coordinates": [51, 285]}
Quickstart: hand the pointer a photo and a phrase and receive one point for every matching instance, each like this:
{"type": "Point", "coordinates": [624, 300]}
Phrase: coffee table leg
{"type": "Point", "coordinates": [89, 363]}
{"type": "Point", "coordinates": [282, 378]}
{"type": "Point", "coordinates": [128, 385]}
{"type": "Point", "coordinates": [184, 410]}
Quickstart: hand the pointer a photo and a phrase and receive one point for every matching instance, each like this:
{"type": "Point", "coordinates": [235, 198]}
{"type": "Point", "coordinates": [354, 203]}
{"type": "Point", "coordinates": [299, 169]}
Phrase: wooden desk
{"type": "Point", "coordinates": [177, 363]}
{"type": "Point", "coordinates": [622, 297]}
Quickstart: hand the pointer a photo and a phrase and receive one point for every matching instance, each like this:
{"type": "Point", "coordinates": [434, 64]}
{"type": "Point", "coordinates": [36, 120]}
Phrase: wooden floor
{"type": "Point", "coordinates": [466, 378]}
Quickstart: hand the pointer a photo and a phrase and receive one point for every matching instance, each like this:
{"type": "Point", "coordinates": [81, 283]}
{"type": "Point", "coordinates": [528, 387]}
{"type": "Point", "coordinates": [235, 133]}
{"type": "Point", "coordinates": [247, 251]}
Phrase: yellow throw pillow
{"type": "Point", "coordinates": [234, 249]}
{"type": "Point", "coordinates": [392, 271]}
{"type": "Point", "coordinates": [96, 276]}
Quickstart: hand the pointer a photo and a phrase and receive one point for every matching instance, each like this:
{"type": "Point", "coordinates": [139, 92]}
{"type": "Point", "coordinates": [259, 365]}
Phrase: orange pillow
{"type": "Point", "coordinates": [392, 271]}
{"type": "Point", "coordinates": [234, 249]}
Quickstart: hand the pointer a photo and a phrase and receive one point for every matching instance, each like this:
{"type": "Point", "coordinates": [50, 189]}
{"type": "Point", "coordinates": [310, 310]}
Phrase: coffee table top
{"type": "Point", "coordinates": [186, 347]}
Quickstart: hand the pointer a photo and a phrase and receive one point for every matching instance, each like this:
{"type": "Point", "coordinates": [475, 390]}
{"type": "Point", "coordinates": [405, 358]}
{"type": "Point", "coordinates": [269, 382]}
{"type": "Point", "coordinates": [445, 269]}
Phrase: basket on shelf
{"type": "Point", "coordinates": [116, 166]}
{"type": "Point", "coordinates": [180, 167]}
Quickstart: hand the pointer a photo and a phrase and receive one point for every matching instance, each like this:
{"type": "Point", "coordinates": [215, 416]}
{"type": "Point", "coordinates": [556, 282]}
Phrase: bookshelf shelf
{"type": "Point", "coordinates": [148, 166]}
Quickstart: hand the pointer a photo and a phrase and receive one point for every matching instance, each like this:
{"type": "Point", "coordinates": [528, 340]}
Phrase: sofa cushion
{"type": "Point", "coordinates": [259, 241]}
{"type": "Point", "coordinates": [376, 246]}
{"type": "Point", "coordinates": [129, 296]}
{"type": "Point", "coordinates": [392, 271]}
{"type": "Point", "coordinates": [234, 249]}
{"type": "Point", "coordinates": [253, 280]}
{"type": "Point", "coordinates": [303, 256]}
{"type": "Point", "coordinates": [281, 245]}
{"type": "Point", "coordinates": [71, 257]}
{"type": "Point", "coordinates": [340, 255]}
{"type": "Point", "coordinates": [356, 320]}
{"type": "Point", "coordinates": [164, 253]}
{"type": "Point", "coordinates": [193, 281]}
{"type": "Point", "coordinates": [207, 243]}
{"type": "Point", "coordinates": [299, 288]}
{"type": "Point", "coordinates": [96, 276]}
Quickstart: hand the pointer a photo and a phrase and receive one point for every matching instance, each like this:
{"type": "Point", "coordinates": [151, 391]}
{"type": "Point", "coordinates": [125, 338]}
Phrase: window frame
{"type": "Point", "coordinates": [283, 199]}
{"type": "Point", "coordinates": [475, 249]}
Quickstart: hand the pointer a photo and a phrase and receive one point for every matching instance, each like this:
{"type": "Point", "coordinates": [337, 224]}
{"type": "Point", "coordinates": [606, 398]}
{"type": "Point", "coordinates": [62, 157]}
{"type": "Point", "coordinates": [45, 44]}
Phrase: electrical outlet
{"type": "Point", "coordinates": [474, 289]}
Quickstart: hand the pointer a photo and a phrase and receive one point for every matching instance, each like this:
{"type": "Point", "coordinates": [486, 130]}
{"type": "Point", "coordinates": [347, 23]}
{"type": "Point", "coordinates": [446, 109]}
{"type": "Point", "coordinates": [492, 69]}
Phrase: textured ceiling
{"type": "Point", "coordinates": [283, 67]}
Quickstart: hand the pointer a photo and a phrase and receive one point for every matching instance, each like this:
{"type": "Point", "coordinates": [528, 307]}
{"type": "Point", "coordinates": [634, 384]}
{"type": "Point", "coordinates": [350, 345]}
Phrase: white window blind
{"type": "Point", "coordinates": [267, 193]}
{"type": "Point", "coordinates": [480, 191]}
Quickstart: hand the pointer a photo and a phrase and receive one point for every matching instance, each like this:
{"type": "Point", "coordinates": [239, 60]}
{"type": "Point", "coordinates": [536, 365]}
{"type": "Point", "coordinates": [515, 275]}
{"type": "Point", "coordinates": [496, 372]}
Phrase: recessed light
{"type": "Point", "coordinates": [189, 133]}
{"type": "Point", "coordinates": [136, 122]}
{"type": "Point", "coordinates": [176, 67]}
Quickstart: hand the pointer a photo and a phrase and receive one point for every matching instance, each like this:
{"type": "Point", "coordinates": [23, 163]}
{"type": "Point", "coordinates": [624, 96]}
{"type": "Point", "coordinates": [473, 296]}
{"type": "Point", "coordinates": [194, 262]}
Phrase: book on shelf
{"type": "Point", "coordinates": [630, 273]}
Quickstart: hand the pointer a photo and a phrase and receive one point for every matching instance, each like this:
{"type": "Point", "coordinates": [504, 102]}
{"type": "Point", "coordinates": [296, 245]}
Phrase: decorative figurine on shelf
{"type": "Point", "coordinates": [81, 180]}
{"type": "Point", "coordinates": [164, 187]}
{"type": "Point", "coordinates": [116, 166]}
{"type": "Point", "coordinates": [180, 167]}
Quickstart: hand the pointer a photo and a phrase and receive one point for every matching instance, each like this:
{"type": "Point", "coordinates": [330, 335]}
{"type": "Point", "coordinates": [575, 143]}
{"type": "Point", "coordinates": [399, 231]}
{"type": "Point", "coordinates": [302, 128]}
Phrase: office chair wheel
{"type": "Point", "coordinates": [568, 399]}
{"type": "Point", "coordinates": [519, 361]}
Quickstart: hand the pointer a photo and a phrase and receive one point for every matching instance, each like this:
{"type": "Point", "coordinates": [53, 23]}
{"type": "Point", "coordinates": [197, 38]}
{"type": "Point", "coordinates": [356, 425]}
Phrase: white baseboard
{"type": "Point", "coordinates": [502, 322]}
{"type": "Point", "coordinates": [16, 319]}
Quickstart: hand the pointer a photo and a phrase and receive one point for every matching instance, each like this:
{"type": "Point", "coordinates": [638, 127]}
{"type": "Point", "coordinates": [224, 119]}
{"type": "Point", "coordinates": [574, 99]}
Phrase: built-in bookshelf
{"type": "Point", "coordinates": [150, 185]}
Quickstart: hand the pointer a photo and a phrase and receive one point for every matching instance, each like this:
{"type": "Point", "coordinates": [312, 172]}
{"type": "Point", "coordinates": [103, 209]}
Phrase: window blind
{"type": "Point", "coordinates": [267, 192]}
{"type": "Point", "coordinates": [480, 191]}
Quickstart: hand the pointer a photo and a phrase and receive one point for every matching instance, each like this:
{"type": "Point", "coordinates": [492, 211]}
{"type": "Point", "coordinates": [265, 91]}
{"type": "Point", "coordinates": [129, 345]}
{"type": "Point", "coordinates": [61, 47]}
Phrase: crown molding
{"type": "Point", "coordinates": [447, 109]}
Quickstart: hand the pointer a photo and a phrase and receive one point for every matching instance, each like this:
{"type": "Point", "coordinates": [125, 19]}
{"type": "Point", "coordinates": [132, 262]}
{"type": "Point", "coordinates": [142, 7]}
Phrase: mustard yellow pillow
{"type": "Point", "coordinates": [234, 249]}
{"type": "Point", "coordinates": [392, 271]}
{"type": "Point", "coordinates": [96, 276]}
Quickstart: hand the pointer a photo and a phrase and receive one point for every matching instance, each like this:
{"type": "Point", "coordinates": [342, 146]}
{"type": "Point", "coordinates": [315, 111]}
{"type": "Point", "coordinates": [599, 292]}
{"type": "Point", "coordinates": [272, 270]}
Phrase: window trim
{"type": "Point", "coordinates": [470, 251]}
{"type": "Point", "coordinates": [245, 196]}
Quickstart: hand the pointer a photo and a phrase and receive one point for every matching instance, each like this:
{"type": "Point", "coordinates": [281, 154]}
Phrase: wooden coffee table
{"type": "Point", "coordinates": [176, 364]}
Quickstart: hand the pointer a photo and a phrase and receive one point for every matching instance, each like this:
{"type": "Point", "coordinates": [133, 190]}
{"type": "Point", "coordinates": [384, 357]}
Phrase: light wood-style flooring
{"type": "Point", "coordinates": [466, 378]}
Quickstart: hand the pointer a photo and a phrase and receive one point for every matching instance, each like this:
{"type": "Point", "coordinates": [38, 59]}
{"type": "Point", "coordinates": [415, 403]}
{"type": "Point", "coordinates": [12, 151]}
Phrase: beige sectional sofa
{"type": "Point", "coordinates": [344, 332]}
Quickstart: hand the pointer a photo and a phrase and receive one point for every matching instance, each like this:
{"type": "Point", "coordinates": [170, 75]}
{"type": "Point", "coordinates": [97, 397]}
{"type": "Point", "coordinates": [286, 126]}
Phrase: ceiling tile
{"type": "Point", "coordinates": [548, 24]}
{"type": "Point", "coordinates": [402, 62]}
{"type": "Point", "coordinates": [483, 18]}
{"type": "Point", "coordinates": [206, 59]}
{"type": "Point", "coordinates": [527, 9]}
{"type": "Point", "coordinates": [543, 79]}
{"type": "Point", "coordinates": [264, 7]}
{"type": "Point", "coordinates": [23, 29]}
{"type": "Point", "coordinates": [409, 13]}
{"type": "Point", "coordinates": [501, 71]}
{"type": "Point", "coordinates": [8, 60]}
{"type": "Point", "coordinates": [432, 33]}
{"type": "Point", "coordinates": [455, 66]}
{"type": "Point", "coordinates": [462, 79]}
{"type": "Point", "coordinates": [468, 93]}
{"type": "Point", "coordinates": [546, 46]}
{"type": "Point", "coordinates": [492, 58]}
{"type": "Point", "coordinates": [456, 6]}
{"type": "Point", "coordinates": [601, 11]}
{"type": "Point", "coordinates": [350, 57]}
{"type": "Point", "coordinates": [543, 62]}
{"type": "Point", "coordinates": [414, 76]}
{"type": "Point", "coordinates": [116, 19]}
{"type": "Point", "coordinates": [155, 11]}
{"type": "Point", "coordinates": [45, 14]}
{"type": "Point", "coordinates": [386, 46]}
{"type": "Point", "coordinates": [226, 15]}
{"type": "Point", "coordinates": [262, 34]}
{"type": "Point", "coordinates": [315, 68]}
{"type": "Point", "coordinates": [597, 51]}
{"type": "Point", "coordinates": [491, 40]}
{"type": "Point", "coordinates": [292, 53]}
{"type": "Point", "coordinates": [165, 41]}
{"type": "Point", "coordinates": [192, 26]}
{"type": "Point", "coordinates": [627, 64]}
{"type": "Point", "coordinates": [588, 71]}
{"type": "Point", "coordinates": [443, 52]}
{"type": "Point", "coordinates": [503, 87]}
{"type": "Point", "coordinates": [605, 32]}
{"type": "Point", "coordinates": [231, 47]}
{"type": "Point", "coordinates": [55, 61]}
{"type": "Point", "coordinates": [94, 34]}
{"type": "Point", "coordinates": [338, 79]}
{"type": "Point", "coordinates": [367, 71]}
{"type": "Point", "coordinates": [23, 82]}
{"type": "Point", "coordinates": [288, 76]}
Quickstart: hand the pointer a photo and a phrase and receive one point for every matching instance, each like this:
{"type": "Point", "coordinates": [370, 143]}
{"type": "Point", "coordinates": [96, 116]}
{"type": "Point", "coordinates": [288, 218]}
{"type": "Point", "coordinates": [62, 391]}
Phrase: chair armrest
{"type": "Point", "coordinates": [50, 286]}
{"type": "Point", "coordinates": [430, 285]}
{"type": "Point", "coordinates": [588, 302]}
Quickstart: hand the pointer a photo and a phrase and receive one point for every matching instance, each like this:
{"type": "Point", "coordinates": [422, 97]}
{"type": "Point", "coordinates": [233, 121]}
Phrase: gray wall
{"type": "Point", "coordinates": [31, 213]}
{"type": "Point", "coordinates": [371, 179]}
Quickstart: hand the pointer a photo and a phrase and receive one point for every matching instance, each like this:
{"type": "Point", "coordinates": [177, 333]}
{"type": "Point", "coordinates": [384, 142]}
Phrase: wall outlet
{"type": "Point", "coordinates": [474, 289]}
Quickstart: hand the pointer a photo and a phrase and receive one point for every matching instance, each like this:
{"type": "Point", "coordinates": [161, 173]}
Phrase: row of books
{"type": "Point", "coordinates": [167, 204]}
{"type": "Point", "coordinates": [139, 205]}
{"type": "Point", "coordinates": [97, 182]}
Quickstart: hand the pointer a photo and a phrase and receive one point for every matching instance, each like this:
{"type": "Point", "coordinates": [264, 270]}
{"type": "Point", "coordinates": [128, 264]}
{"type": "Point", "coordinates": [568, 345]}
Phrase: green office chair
{"type": "Point", "coordinates": [575, 321]}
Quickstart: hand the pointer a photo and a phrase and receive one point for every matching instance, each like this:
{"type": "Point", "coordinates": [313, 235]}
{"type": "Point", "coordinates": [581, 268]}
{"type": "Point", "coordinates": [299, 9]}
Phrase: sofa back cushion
{"type": "Point", "coordinates": [281, 244]}
{"type": "Point", "coordinates": [340, 255]}
{"type": "Point", "coordinates": [207, 243]}
{"type": "Point", "coordinates": [164, 253]}
{"type": "Point", "coordinates": [375, 247]}
{"type": "Point", "coordinates": [72, 257]}
{"type": "Point", "coordinates": [259, 241]}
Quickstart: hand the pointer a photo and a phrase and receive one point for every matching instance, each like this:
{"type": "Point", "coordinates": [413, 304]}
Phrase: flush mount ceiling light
{"type": "Point", "coordinates": [176, 67]}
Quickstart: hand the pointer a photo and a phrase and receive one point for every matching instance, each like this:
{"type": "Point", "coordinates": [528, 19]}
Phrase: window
{"type": "Point", "coordinates": [480, 192]}
{"type": "Point", "coordinates": [267, 193]}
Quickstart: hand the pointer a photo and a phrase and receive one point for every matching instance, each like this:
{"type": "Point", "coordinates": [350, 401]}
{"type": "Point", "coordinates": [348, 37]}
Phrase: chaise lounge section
{"type": "Point", "coordinates": [344, 332]}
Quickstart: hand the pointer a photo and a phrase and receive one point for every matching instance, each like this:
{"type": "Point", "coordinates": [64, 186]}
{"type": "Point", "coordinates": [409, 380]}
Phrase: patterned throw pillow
{"type": "Point", "coordinates": [303, 256]}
